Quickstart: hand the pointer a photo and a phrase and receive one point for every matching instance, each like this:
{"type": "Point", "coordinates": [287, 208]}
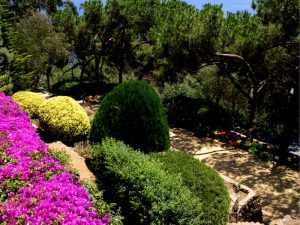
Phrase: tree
{"type": "Point", "coordinates": [22, 7]}
{"type": "Point", "coordinates": [284, 64]}
{"type": "Point", "coordinates": [184, 37]}
{"type": "Point", "coordinates": [129, 22]}
{"type": "Point", "coordinates": [35, 37]}
{"type": "Point", "coordinates": [5, 58]}
{"type": "Point", "coordinates": [92, 40]}
{"type": "Point", "coordinates": [258, 54]}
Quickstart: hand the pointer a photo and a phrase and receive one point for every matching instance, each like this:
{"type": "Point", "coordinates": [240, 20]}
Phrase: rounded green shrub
{"type": "Point", "coordinates": [203, 181]}
{"type": "Point", "coordinates": [29, 102]}
{"type": "Point", "coordinates": [142, 189]}
{"type": "Point", "coordinates": [132, 112]}
{"type": "Point", "coordinates": [64, 119]}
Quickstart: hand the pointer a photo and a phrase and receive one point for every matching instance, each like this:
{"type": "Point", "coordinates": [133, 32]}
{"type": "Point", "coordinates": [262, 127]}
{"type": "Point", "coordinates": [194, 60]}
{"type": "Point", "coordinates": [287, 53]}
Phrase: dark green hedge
{"type": "Point", "coordinates": [144, 191]}
{"type": "Point", "coordinates": [203, 181]}
{"type": "Point", "coordinates": [198, 115]}
{"type": "Point", "coordinates": [74, 89]}
{"type": "Point", "coordinates": [132, 112]}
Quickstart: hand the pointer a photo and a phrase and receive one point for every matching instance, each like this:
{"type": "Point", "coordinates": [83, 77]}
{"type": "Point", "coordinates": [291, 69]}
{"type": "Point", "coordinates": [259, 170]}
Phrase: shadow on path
{"type": "Point", "coordinates": [277, 185]}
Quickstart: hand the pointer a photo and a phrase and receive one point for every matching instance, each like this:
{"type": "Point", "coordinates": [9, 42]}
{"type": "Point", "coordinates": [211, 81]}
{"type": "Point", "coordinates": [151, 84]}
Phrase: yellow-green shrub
{"type": "Point", "coordinates": [64, 119]}
{"type": "Point", "coordinates": [29, 102]}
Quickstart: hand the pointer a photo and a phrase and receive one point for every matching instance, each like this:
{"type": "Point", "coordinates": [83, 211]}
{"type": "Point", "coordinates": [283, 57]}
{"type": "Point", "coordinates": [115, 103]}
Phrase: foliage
{"type": "Point", "coordinates": [61, 156]}
{"type": "Point", "coordinates": [265, 71]}
{"type": "Point", "coordinates": [92, 99]}
{"type": "Point", "coordinates": [283, 12]}
{"type": "Point", "coordinates": [35, 188]}
{"type": "Point", "coordinates": [144, 191]}
{"type": "Point", "coordinates": [246, 64]}
{"type": "Point", "coordinates": [64, 119]}
{"type": "Point", "coordinates": [261, 150]}
{"type": "Point", "coordinates": [133, 113]}
{"type": "Point", "coordinates": [183, 36]}
{"type": "Point", "coordinates": [5, 85]}
{"type": "Point", "coordinates": [45, 47]}
{"type": "Point", "coordinates": [265, 156]}
{"type": "Point", "coordinates": [79, 90]}
{"type": "Point", "coordinates": [29, 102]}
{"type": "Point", "coordinates": [204, 182]}
{"type": "Point", "coordinates": [189, 87]}
{"type": "Point", "coordinates": [21, 7]}
{"type": "Point", "coordinates": [101, 206]}
{"type": "Point", "coordinates": [198, 115]}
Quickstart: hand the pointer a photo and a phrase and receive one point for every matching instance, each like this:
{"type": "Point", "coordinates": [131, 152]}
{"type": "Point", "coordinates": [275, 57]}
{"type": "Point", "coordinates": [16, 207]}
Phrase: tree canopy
{"type": "Point", "coordinates": [243, 62]}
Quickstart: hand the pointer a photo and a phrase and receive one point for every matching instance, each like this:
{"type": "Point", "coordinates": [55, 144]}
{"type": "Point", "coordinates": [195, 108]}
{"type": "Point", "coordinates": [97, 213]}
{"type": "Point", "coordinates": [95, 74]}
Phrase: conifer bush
{"type": "Point", "coordinates": [132, 112]}
{"type": "Point", "coordinates": [29, 102]}
{"type": "Point", "coordinates": [64, 119]}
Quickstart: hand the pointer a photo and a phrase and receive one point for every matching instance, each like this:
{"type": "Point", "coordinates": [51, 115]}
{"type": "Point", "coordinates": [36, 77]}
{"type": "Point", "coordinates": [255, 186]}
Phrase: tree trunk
{"type": "Point", "coordinates": [252, 119]}
{"type": "Point", "coordinates": [101, 72]}
{"type": "Point", "coordinates": [36, 81]}
{"type": "Point", "coordinates": [252, 97]}
{"type": "Point", "coordinates": [97, 67]}
{"type": "Point", "coordinates": [291, 126]}
{"type": "Point", "coordinates": [48, 74]}
{"type": "Point", "coordinates": [122, 61]}
{"type": "Point", "coordinates": [121, 70]}
{"type": "Point", "coordinates": [81, 74]}
{"type": "Point", "coordinates": [72, 73]}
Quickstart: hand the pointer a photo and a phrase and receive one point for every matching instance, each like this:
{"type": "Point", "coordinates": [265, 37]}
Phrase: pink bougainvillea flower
{"type": "Point", "coordinates": [34, 187]}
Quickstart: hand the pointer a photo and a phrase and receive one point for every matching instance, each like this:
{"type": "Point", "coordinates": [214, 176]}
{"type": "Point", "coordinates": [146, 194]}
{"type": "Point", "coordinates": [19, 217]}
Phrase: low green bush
{"type": "Point", "coordinates": [29, 102]}
{"type": "Point", "coordinates": [133, 113]}
{"type": "Point", "coordinates": [145, 192]}
{"type": "Point", "coordinates": [265, 156]}
{"type": "Point", "coordinates": [78, 90]}
{"type": "Point", "coordinates": [100, 205]}
{"type": "Point", "coordinates": [64, 119]}
{"type": "Point", "coordinates": [203, 181]}
{"type": "Point", "coordinates": [60, 155]}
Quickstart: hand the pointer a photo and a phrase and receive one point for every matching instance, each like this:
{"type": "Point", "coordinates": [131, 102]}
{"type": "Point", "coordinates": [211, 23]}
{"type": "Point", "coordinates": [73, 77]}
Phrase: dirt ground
{"type": "Point", "coordinates": [277, 185]}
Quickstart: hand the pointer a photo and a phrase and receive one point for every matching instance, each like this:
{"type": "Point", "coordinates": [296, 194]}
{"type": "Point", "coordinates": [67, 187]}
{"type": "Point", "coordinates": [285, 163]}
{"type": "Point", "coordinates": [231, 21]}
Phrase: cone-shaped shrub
{"type": "Point", "coordinates": [64, 119]}
{"type": "Point", "coordinates": [29, 102]}
{"type": "Point", "coordinates": [132, 112]}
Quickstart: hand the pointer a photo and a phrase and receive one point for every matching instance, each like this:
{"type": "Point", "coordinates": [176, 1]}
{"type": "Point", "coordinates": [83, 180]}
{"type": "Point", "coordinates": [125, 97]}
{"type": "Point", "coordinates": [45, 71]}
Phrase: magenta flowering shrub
{"type": "Point", "coordinates": [34, 187]}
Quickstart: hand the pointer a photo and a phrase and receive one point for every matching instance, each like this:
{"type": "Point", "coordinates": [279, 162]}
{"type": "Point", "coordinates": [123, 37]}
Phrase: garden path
{"type": "Point", "coordinates": [277, 185]}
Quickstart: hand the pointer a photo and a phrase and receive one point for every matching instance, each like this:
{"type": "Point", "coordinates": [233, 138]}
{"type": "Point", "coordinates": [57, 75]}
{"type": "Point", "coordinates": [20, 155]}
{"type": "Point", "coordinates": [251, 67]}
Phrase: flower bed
{"type": "Point", "coordinates": [240, 141]}
{"type": "Point", "coordinates": [34, 187]}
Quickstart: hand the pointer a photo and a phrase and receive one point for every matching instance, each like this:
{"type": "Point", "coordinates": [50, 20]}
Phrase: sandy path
{"type": "Point", "coordinates": [278, 185]}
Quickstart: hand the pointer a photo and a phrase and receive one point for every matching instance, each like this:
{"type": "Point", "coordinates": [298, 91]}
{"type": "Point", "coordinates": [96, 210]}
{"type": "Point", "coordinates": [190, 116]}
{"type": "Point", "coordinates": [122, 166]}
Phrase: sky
{"type": "Point", "coordinates": [228, 5]}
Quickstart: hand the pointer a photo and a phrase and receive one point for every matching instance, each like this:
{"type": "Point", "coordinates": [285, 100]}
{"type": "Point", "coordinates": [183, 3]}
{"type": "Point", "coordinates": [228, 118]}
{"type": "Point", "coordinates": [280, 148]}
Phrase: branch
{"type": "Point", "coordinates": [238, 86]}
{"type": "Point", "coordinates": [262, 85]}
{"type": "Point", "coordinates": [147, 41]}
{"type": "Point", "coordinates": [234, 56]}
{"type": "Point", "coordinates": [141, 43]}
{"type": "Point", "coordinates": [209, 64]}
{"type": "Point", "coordinates": [77, 64]}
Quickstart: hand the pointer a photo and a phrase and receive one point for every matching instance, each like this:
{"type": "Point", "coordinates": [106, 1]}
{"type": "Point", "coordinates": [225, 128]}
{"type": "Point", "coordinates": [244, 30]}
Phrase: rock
{"type": "Point", "coordinates": [247, 209]}
{"type": "Point", "coordinates": [34, 126]}
{"type": "Point", "coordinates": [250, 208]}
{"type": "Point", "coordinates": [287, 220]}
{"type": "Point", "coordinates": [76, 161]}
